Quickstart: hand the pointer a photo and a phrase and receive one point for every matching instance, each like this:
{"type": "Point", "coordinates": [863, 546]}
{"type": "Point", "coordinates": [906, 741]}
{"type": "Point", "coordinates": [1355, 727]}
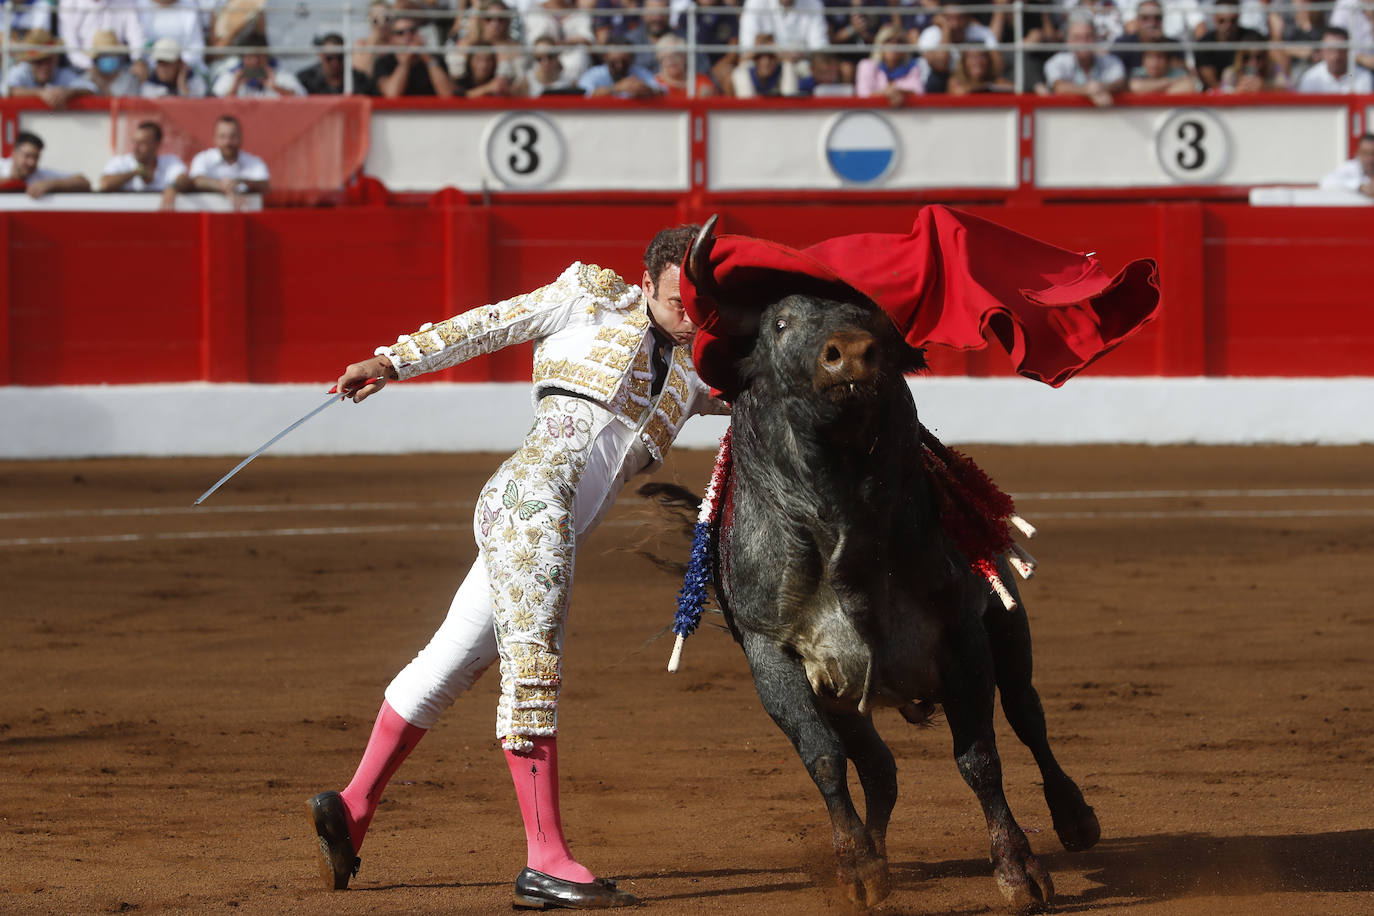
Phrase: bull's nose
{"type": "Point", "coordinates": [850, 356]}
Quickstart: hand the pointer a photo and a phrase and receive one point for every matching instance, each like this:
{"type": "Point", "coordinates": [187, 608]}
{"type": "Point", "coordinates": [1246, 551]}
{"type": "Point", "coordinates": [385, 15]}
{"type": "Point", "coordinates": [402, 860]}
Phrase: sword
{"type": "Point", "coordinates": [333, 397]}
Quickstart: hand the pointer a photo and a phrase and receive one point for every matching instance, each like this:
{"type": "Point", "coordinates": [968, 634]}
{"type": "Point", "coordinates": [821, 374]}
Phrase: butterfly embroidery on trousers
{"type": "Point", "coordinates": [524, 508]}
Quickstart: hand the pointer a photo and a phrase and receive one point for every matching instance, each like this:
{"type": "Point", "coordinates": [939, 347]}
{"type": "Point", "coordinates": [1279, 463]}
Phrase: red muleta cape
{"type": "Point", "coordinates": [954, 280]}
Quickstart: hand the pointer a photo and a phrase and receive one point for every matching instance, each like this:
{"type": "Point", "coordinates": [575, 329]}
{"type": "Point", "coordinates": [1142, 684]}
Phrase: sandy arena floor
{"type": "Point", "coordinates": [178, 682]}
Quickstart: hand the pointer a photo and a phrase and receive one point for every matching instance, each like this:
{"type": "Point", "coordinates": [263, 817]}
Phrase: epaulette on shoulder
{"type": "Point", "coordinates": [607, 286]}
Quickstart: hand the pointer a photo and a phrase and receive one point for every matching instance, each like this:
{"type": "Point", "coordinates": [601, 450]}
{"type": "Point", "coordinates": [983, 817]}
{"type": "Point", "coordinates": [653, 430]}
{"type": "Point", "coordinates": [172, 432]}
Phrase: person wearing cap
{"type": "Point", "coordinates": [255, 75]}
{"type": "Point", "coordinates": [79, 20]}
{"type": "Point", "coordinates": [145, 169]}
{"type": "Point", "coordinates": [178, 20]}
{"type": "Point", "coordinates": [21, 172]}
{"type": "Point", "coordinates": [327, 76]}
{"type": "Point", "coordinates": [171, 75]}
{"type": "Point", "coordinates": [40, 73]}
{"type": "Point", "coordinates": [110, 72]}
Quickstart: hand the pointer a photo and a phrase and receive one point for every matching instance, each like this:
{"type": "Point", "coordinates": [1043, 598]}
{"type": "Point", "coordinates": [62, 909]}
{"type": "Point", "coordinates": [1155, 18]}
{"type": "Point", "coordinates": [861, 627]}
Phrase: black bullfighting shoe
{"type": "Point", "coordinates": [338, 862]}
{"type": "Point", "coordinates": [535, 890]}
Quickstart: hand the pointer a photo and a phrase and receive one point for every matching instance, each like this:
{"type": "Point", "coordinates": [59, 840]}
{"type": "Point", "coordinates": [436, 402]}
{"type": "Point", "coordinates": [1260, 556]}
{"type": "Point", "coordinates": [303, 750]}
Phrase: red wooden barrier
{"type": "Point", "coordinates": [292, 295]}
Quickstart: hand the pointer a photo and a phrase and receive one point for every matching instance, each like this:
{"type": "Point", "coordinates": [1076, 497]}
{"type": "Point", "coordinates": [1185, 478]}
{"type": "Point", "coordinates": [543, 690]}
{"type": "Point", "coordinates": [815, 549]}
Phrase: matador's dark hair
{"type": "Point", "coordinates": [668, 248]}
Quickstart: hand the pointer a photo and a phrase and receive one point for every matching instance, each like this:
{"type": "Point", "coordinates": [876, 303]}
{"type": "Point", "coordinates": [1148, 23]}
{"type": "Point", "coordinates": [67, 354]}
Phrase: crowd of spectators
{"type": "Point", "coordinates": [1098, 49]}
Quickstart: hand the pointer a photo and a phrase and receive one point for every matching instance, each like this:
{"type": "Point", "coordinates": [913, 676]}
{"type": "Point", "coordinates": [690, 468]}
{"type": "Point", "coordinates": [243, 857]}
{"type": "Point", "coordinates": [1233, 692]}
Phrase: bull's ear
{"type": "Point", "coordinates": [698, 264]}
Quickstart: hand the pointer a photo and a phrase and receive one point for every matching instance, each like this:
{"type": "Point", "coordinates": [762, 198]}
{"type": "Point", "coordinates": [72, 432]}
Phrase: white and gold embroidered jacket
{"type": "Point", "coordinates": [592, 337]}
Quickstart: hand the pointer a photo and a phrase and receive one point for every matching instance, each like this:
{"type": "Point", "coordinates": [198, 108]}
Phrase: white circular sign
{"type": "Point", "coordinates": [524, 150]}
{"type": "Point", "coordinates": [861, 147]}
{"type": "Point", "coordinates": [1192, 146]}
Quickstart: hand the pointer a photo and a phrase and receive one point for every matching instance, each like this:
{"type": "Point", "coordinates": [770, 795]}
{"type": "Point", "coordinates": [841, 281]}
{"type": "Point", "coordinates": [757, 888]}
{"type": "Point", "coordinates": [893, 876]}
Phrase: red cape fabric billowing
{"type": "Point", "coordinates": [954, 280]}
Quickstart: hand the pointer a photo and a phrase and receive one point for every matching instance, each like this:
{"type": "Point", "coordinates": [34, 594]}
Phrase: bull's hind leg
{"type": "Point", "coordinates": [968, 698]}
{"type": "Point", "coordinates": [786, 694]}
{"type": "Point", "coordinates": [1009, 634]}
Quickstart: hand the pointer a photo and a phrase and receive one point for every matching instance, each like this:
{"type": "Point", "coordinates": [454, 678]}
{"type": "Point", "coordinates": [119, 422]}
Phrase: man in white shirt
{"type": "Point", "coordinates": [954, 27]}
{"type": "Point", "coordinates": [1084, 70]}
{"type": "Point", "coordinates": [226, 168]}
{"type": "Point", "coordinates": [22, 170]}
{"type": "Point", "coordinates": [145, 169]}
{"type": "Point", "coordinates": [79, 20]}
{"type": "Point", "coordinates": [796, 25]}
{"type": "Point", "coordinates": [171, 75]}
{"type": "Point", "coordinates": [1333, 75]}
{"type": "Point", "coordinates": [1356, 174]}
{"type": "Point", "coordinates": [255, 76]}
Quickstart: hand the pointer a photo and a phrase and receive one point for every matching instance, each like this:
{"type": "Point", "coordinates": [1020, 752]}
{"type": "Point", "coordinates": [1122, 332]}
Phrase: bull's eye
{"type": "Point", "coordinates": [780, 325]}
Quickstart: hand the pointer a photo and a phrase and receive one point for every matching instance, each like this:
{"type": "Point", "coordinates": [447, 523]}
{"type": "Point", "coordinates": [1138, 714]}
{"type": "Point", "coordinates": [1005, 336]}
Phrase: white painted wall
{"type": "Point", "coordinates": [233, 420]}
{"type": "Point", "coordinates": [939, 148]}
{"type": "Point", "coordinates": [1271, 145]}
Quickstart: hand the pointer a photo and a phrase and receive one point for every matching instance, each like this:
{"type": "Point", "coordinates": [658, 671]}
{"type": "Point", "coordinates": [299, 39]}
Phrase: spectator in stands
{"type": "Point", "coordinates": [1255, 70]}
{"type": "Point", "coordinates": [327, 76]}
{"type": "Point", "coordinates": [488, 23]}
{"type": "Point", "coordinates": [1085, 70]}
{"type": "Point", "coordinates": [411, 71]}
{"type": "Point", "coordinates": [1160, 74]}
{"type": "Point", "coordinates": [110, 73]}
{"type": "Point", "coordinates": [671, 53]}
{"type": "Point", "coordinates": [255, 75]}
{"type": "Point", "coordinates": [1358, 20]}
{"type": "Point", "coordinates": [145, 169]}
{"type": "Point", "coordinates": [21, 172]}
{"type": "Point", "coordinates": [653, 24]}
{"type": "Point", "coordinates": [481, 78]}
{"type": "Point", "coordinates": [225, 168]}
{"type": "Point", "coordinates": [713, 27]}
{"type": "Point", "coordinates": [1302, 26]}
{"type": "Point", "coordinates": [40, 74]}
{"type": "Point", "coordinates": [171, 76]}
{"type": "Point", "coordinates": [1226, 27]}
{"type": "Point", "coordinates": [378, 35]}
{"type": "Point", "coordinates": [795, 26]}
{"type": "Point", "coordinates": [27, 15]}
{"type": "Point", "coordinates": [1149, 30]}
{"type": "Point", "coordinates": [570, 28]}
{"type": "Point", "coordinates": [975, 74]}
{"type": "Point", "coordinates": [827, 78]}
{"type": "Point", "coordinates": [890, 70]}
{"type": "Point", "coordinates": [620, 76]}
{"type": "Point", "coordinates": [179, 20]}
{"type": "Point", "coordinates": [859, 29]}
{"type": "Point", "coordinates": [1179, 20]}
{"type": "Point", "coordinates": [547, 74]}
{"type": "Point", "coordinates": [764, 73]}
{"type": "Point", "coordinates": [79, 20]}
{"type": "Point", "coordinates": [1356, 174]}
{"type": "Point", "coordinates": [952, 27]}
{"type": "Point", "coordinates": [1333, 74]}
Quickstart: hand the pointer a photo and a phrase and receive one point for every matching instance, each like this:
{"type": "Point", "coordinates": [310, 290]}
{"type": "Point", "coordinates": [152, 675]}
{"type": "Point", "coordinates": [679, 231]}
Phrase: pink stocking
{"type": "Point", "coordinates": [393, 738]}
{"type": "Point", "coordinates": [536, 786]}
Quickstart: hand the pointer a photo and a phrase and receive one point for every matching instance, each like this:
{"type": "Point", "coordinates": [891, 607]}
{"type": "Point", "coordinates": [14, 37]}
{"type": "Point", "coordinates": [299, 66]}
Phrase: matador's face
{"type": "Point", "coordinates": [665, 304]}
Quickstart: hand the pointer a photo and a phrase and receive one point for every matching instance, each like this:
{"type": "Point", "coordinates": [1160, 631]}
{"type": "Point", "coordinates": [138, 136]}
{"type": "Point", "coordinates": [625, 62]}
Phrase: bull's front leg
{"type": "Point", "coordinates": [968, 701]}
{"type": "Point", "coordinates": [786, 695]}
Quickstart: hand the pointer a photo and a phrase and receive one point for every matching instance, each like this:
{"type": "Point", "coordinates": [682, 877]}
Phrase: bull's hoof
{"type": "Point", "coordinates": [1025, 884]}
{"type": "Point", "coordinates": [867, 884]}
{"type": "Point", "coordinates": [1079, 831]}
{"type": "Point", "coordinates": [1074, 820]}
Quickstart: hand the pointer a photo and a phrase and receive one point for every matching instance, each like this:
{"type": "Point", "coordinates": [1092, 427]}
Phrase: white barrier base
{"type": "Point", "coordinates": [203, 419]}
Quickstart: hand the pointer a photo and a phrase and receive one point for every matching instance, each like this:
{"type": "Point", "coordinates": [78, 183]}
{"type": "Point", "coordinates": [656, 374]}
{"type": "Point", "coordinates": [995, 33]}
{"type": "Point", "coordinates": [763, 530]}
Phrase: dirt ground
{"type": "Point", "coordinates": [178, 682]}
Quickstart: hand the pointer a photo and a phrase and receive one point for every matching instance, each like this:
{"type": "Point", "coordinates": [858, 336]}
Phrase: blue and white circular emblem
{"type": "Point", "coordinates": [861, 147]}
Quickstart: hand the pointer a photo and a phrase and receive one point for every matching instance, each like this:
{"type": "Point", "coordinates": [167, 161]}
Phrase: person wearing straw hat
{"type": "Point", "coordinates": [40, 73]}
{"type": "Point", "coordinates": [110, 72]}
{"type": "Point", "coordinates": [614, 383]}
{"type": "Point", "coordinates": [21, 172]}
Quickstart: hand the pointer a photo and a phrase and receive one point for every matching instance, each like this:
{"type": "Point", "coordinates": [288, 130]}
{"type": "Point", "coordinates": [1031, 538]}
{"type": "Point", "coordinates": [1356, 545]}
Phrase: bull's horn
{"type": "Point", "coordinates": [699, 256]}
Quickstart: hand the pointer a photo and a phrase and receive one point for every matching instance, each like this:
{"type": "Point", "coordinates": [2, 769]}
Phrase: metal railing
{"type": "Point", "coordinates": [346, 25]}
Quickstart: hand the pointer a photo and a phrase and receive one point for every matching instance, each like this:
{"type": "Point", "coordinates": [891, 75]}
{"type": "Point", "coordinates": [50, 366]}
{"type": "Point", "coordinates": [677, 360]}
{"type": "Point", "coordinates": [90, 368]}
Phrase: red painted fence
{"type": "Point", "coordinates": [293, 294]}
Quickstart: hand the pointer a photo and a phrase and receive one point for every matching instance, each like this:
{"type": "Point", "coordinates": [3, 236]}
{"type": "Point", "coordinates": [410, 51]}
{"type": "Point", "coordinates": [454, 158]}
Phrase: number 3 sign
{"type": "Point", "coordinates": [524, 150]}
{"type": "Point", "coordinates": [1192, 146]}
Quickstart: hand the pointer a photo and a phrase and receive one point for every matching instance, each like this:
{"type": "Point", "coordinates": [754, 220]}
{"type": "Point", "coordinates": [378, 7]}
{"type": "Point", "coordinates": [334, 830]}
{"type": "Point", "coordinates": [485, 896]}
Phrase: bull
{"type": "Point", "coordinates": [845, 592]}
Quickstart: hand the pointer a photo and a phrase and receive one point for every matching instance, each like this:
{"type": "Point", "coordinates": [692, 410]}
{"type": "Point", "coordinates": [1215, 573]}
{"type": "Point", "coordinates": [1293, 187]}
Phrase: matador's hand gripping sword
{"type": "Point", "coordinates": [333, 397]}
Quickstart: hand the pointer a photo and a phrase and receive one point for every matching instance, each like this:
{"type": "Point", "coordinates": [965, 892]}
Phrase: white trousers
{"type": "Point", "coordinates": [513, 603]}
